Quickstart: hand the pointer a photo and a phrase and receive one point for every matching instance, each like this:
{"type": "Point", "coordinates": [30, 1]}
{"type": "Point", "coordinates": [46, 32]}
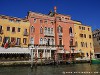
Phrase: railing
{"type": "Point", "coordinates": [25, 34]}
{"type": "Point", "coordinates": [60, 34]}
{"type": "Point", "coordinates": [71, 35]}
{"type": "Point", "coordinates": [49, 34]}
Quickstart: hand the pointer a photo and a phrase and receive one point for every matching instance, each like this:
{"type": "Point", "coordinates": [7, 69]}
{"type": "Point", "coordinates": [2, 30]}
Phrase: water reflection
{"type": "Point", "coordinates": [52, 70]}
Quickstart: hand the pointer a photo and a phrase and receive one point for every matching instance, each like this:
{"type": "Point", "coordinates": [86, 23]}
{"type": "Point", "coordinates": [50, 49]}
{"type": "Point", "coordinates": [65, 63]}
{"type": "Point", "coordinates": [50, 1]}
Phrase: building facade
{"type": "Point", "coordinates": [83, 39]}
{"type": "Point", "coordinates": [50, 36]}
{"type": "Point", "coordinates": [96, 39]}
{"type": "Point", "coordinates": [14, 33]}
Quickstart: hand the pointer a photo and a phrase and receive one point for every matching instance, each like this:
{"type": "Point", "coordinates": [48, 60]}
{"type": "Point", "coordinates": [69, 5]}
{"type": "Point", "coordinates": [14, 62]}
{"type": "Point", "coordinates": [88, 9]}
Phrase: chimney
{"type": "Point", "coordinates": [55, 9]}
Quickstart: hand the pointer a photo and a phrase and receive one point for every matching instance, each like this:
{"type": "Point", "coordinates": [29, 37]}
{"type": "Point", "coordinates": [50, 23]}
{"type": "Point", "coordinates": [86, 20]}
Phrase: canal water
{"type": "Point", "coordinates": [73, 69]}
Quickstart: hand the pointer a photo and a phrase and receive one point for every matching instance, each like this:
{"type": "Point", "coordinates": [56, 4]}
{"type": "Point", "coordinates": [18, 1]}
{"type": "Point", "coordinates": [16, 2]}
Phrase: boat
{"type": "Point", "coordinates": [95, 61]}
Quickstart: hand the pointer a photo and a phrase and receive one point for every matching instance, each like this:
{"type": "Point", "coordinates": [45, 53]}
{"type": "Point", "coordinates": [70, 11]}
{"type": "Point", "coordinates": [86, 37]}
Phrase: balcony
{"type": "Point", "coordinates": [60, 34]}
{"type": "Point", "coordinates": [49, 34]}
{"type": "Point", "coordinates": [71, 35]}
{"type": "Point", "coordinates": [25, 34]}
{"type": "Point", "coordinates": [1, 31]}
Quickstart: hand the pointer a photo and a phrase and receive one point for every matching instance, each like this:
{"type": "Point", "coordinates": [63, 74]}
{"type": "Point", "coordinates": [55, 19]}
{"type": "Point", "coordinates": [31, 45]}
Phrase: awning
{"type": "Point", "coordinates": [14, 50]}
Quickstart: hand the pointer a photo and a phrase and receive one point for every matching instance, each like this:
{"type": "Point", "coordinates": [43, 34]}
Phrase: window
{"type": "Point", "coordinates": [60, 30]}
{"type": "Point", "coordinates": [8, 28]}
{"type": "Point", "coordinates": [11, 20]}
{"type": "Point", "coordinates": [52, 41]}
{"type": "Point", "coordinates": [45, 29]}
{"type": "Point", "coordinates": [81, 35]}
{"type": "Point", "coordinates": [70, 30]}
{"type": "Point", "coordinates": [88, 29]}
{"type": "Point", "coordinates": [24, 41]}
{"type": "Point", "coordinates": [41, 30]}
{"type": "Point", "coordinates": [84, 35]}
{"type": "Point", "coordinates": [45, 22]}
{"type": "Point", "coordinates": [17, 21]}
{"type": "Point", "coordinates": [79, 27]}
{"type": "Point", "coordinates": [34, 20]}
{"type": "Point", "coordinates": [13, 40]}
{"type": "Point", "coordinates": [45, 41]}
{"type": "Point", "coordinates": [41, 41]}
{"type": "Point", "coordinates": [32, 29]}
{"type": "Point", "coordinates": [18, 29]}
{"type": "Point", "coordinates": [82, 44]}
{"type": "Point", "coordinates": [13, 29]}
{"type": "Point", "coordinates": [87, 54]}
{"type": "Point", "coordinates": [86, 44]}
{"type": "Point", "coordinates": [31, 40]}
{"type": "Point", "coordinates": [0, 39]}
{"type": "Point", "coordinates": [83, 28]}
{"type": "Point", "coordinates": [0, 27]}
{"type": "Point", "coordinates": [90, 45]}
{"type": "Point", "coordinates": [71, 42]}
{"type": "Point", "coordinates": [18, 41]}
{"type": "Point", "coordinates": [41, 21]}
{"type": "Point", "coordinates": [52, 23]}
{"type": "Point", "coordinates": [49, 30]}
{"type": "Point", "coordinates": [89, 36]}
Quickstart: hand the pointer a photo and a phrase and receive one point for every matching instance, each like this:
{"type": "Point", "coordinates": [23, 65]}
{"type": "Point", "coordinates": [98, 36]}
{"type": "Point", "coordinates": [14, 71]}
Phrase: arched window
{"type": "Point", "coordinates": [52, 41]}
{"type": "Point", "coordinates": [41, 30]}
{"type": "Point", "coordinates": [45, 41]}
{"type": "Point", "coordinates": [59, 29]}
{"type": "Point", "coordinates": [45, 30]}
{"type": "Point", "coordinates": [32, 29]}
{"type": "Point", "coordinates": [31, 40]}
{"type": "Point", "coordinates": [41, 41]}
{"type": "Point", "coordinates": [51, 30]}
{"type": "Point", "coordinates": [70, 30]}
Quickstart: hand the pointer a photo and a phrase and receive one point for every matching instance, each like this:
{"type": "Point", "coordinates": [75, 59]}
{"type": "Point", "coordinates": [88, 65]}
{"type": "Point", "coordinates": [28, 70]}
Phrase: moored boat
{"type": "Point", "coordinates": [95, 61]}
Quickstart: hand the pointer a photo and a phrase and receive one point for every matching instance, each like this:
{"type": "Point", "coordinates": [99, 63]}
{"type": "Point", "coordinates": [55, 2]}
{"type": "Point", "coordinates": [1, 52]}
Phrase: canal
{"type": "Point", "coordinates": [73, 69]}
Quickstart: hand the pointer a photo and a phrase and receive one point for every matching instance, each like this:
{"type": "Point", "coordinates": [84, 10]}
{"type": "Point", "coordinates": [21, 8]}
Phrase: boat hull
{"type": "Point", "coordinates": [95, 61]}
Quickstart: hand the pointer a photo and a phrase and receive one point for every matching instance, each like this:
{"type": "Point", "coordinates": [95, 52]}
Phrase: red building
{"type": "Point", "coordinates": [51, 33]}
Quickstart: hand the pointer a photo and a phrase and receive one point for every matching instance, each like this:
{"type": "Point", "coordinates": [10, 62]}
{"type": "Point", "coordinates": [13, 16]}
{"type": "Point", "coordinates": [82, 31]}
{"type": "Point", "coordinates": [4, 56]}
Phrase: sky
{"type": "Point", "coordinates": [86, 11]}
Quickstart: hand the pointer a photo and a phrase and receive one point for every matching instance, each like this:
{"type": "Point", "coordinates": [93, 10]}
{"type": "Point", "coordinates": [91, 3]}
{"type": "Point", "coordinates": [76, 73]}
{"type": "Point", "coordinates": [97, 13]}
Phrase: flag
{"type": "Point", "coordinates": [6, 44]}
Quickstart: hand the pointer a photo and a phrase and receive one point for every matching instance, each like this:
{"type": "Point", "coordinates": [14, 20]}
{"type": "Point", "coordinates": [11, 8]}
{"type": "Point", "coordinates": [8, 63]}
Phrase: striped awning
{"type": "Point", "coordinates": [14, 50]}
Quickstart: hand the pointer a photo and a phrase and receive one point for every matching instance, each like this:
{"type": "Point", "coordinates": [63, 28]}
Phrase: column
{"type": "Point", "coordinates": [37, 53]}
{"type": "Point", "coordinates": [44, 53]}
{"type": "Point", "coordinates": [50, 53]}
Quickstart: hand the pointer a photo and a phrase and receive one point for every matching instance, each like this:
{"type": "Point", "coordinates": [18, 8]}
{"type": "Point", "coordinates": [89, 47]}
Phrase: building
{"type": "Point", "coordinates": [50, 36]}
{"type": "Point", "coordinates": [52, 33]}
{"type": "Point", "coordinates": [14, 35]}
{"type": "Point", "coordinates": [96, 40]}
{"type": "Point", "coordinates": [83, 40]}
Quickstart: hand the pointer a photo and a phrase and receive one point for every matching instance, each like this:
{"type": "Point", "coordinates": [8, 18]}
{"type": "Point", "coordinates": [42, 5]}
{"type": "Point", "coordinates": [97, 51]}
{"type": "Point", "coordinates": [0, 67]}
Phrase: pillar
{"type": "Point", "coordinates": [44, 53]}
{"type": "Point", "coordinates": [50, 53]}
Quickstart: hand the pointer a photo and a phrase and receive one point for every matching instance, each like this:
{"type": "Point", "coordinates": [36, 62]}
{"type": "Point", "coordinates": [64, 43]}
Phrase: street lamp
{"type": "Point", "coordinates": [31, 53]}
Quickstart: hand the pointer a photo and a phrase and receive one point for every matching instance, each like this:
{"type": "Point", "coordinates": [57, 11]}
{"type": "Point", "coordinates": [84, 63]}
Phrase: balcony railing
{"type": "Point", "coordinates": [1, 31]}
{"type": "Point", "coordinates": [60, 34]}
{"type": "Point", "coordinates": [25, 34]}
{"type": "Point", "coordinates": [71, 35]}
{"type": "Point", "coordinates": [49, 34]}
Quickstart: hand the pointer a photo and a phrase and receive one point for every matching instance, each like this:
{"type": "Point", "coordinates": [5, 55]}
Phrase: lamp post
{"type": "Point", "coordinates": [31, 53]}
